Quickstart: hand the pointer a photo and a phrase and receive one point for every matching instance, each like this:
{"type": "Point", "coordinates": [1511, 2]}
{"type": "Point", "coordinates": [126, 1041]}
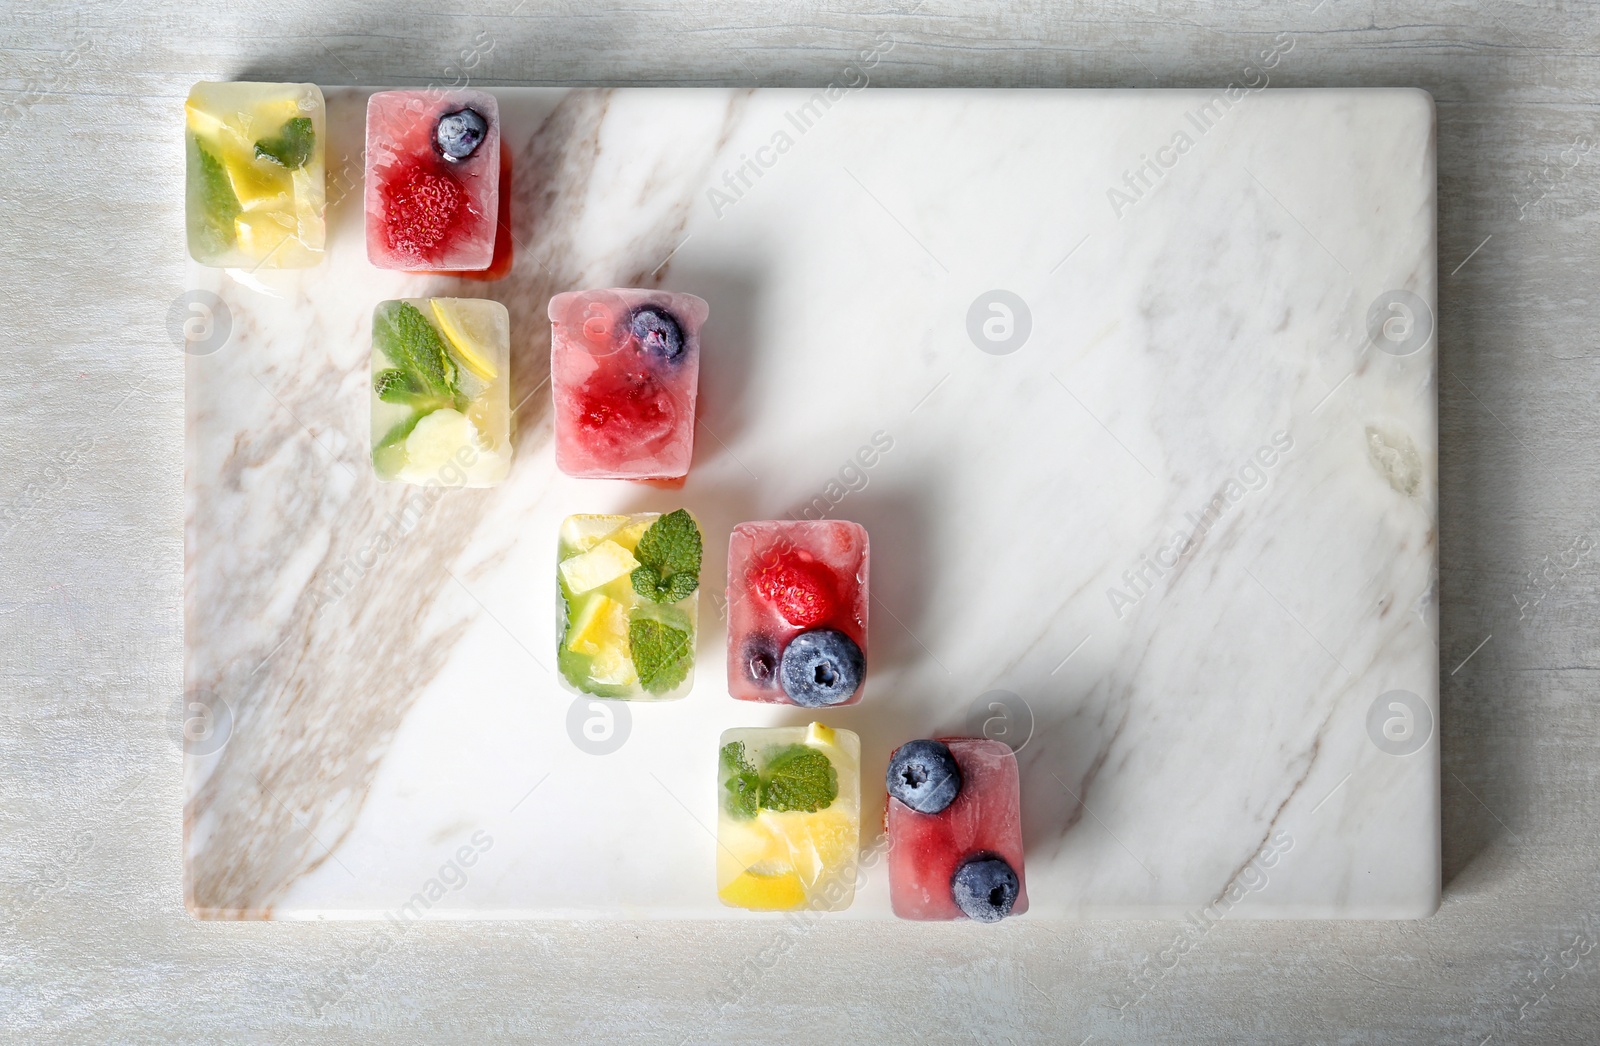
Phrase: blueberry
{"type": "Point", "coordinates": [658, 332]}
{"type": "Point", "coordinates": [924, 776]}
{"type": "Point", "coordinates": [985, 887]}
{"type": "Point", "coordinates": [821, 667]}
{"type": "Point", "coordinates": [458, 134]}
{"type": "Point", "coordinates": [760, 658]}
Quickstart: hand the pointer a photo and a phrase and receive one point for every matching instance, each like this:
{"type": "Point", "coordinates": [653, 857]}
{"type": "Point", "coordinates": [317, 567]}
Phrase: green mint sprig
{"type": "Point", "coordinates": [669, 558]}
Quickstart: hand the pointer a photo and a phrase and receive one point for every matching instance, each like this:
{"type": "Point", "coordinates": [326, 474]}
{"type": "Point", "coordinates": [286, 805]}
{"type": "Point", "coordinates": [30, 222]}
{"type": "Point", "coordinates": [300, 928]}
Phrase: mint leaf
{"type": "Point", "coordinates": [743, 784]}
{"type": "Point", "coordinates": [669, 557]}
{"type": "Point", "coordinates": [660, 653]}
{"type": "Point", "coordinates": [292, 147]}
{"type": "Point", "coordinates": [799, 778]}
{"type": "Point", "coordinates": [389, 456]}
{"type": "Point", "coordinates": [412, 345]}
{"type": "Point", "coordinates": [396, 386]}
{"type": "Point", "coordinates": [211, 225]}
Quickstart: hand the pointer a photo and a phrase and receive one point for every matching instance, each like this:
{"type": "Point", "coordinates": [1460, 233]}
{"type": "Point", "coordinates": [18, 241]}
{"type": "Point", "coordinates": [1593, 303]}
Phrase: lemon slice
{"type": "Point", "coordinates": [781, 893]}
{"type": "Point", "coordinates": [459, 328]}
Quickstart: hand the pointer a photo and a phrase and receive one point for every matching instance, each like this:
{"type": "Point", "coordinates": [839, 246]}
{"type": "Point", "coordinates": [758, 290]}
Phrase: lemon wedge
{"type": "Point", "coordinates": [782, 892]}
{"type": "Point", "coordinates": [819, 736]}
{"type": "Point", "coordinates": [464, 337]}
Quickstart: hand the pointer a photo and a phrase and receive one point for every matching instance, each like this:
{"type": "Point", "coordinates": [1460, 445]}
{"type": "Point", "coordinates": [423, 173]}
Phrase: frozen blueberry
{"type": "Point", "coordinates": [658, 332]}
{"type": "Point", "coordinates": [924, 776]}
{"type": "Point", "coordinates": [821, 667]}
{"type": "Point", "coordinates": [760, 658]}
{"type": "Point", "coordinates": [459, 134]}
{"type": "Point", "coordinates": [985, 887]}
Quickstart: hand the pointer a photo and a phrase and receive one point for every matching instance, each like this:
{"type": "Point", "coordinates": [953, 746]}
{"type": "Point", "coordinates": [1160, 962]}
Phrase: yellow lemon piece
{"type": "Point", "coordinates": [628, 537]}
{"type": "Point", "coordinates": [600, 622]}
{"type": "Point", "coordinates": [259, 186]}
{"type": "Point", "coordinates": [464, 336]}
{"type": "Point", "coordinates": [782, 892]}
{"type": "Point", "coordinates": [584, 532]}
{"type": "Point", "coordinates": [604, 562]}
{"type": "Point", "coordinates": [613, 666]}
{"type": "Point", "coordinates": [819, 736]}
{"type": "Point", "coordinates": [817, 845]}
{"type": "Point", "coordinates": [206, 124]}
{"type": "Point", "coordinates": [260, 233]}
{"type": "Point", "coordinates": [751, 843]}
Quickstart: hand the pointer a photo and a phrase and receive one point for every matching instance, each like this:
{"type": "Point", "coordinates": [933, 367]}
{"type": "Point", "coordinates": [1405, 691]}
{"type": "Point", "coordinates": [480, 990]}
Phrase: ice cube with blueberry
{"type": "Point", "coordinates": [255, 194]}
{"type": "Point", "coordinates": [954, 821]}
{"type": "Point", "coordinates": [788, 818]}
{"type": "Point", "coordinates": [433, 180]}
{"type": "Point", "coordinates": [441, 391]}
{"type": "Point", "coordinates": [625, 372]}
{"type": "Point", "coordinates": [797, 612]}
{"type": "Point", "coordinates": [628, 591]}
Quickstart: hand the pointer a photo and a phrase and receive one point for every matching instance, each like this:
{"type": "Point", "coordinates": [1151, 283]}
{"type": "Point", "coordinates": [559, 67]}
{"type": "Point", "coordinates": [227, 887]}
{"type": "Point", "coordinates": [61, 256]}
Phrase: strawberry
{"type": "Point", "coordinates": [799, 587]}
{"type": "Point", "coordinates": [420, 208]}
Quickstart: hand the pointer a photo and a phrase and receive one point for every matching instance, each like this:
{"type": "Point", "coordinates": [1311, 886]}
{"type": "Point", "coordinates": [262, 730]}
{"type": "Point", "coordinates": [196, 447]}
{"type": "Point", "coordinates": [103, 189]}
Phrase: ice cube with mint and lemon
{"type": "Point", "coordinates": [441, 391]}
{"type": "Point", "coordinates": [628, 604]}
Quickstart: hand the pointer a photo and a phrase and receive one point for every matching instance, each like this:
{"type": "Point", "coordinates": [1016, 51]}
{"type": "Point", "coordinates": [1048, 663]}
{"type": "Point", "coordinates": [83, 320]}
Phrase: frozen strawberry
{"type": "Point", "coordinates": [422, 208]}
{"type": "Point", "coordinates": [799, 587]}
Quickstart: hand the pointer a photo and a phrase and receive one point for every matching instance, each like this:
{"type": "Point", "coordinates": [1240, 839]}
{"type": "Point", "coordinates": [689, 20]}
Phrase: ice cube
{"type": "Point", "coordinates": [441, 391]}
{"type": "Point", "coordinates": [254, 196]}
{"type": "Point", "coordinates": [627, 605]}
{"type": "Point", "coordinates": [955, 830]}
{"type": "Point", "coordinates": [797, 612]}
{"type": "Point", "coordinates": [788, 818]}
{"type": "Point", "coordinates": [625, 370]}
{"type": "Point", "coordinates": [433, 180]}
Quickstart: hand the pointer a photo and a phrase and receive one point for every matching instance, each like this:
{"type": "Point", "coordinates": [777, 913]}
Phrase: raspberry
{"type": "Point", "coordinates": [420, 209]}
{"type": "Point", "coordinates": [801, 589]}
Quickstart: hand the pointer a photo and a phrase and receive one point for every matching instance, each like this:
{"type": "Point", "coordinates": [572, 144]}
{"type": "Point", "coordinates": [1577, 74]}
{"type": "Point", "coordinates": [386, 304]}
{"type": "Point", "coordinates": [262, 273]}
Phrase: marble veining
{"type": "Point", "coordinates": [1172, 520]}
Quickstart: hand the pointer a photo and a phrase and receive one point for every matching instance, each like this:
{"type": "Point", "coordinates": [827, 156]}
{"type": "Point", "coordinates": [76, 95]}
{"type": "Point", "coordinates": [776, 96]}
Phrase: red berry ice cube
{"type": "Point", "coordinates": [433, 180]}
{"type": "Point", "coordinates": [797, 612]}
{"type": "Point", "coordinates": [625, 371]}
{"type": "Point", "coordinates": [954, 820]}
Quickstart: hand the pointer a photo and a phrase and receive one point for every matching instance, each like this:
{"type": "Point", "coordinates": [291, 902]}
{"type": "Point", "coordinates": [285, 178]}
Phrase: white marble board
{"type": "Point", "coordinates": [1216, 307]}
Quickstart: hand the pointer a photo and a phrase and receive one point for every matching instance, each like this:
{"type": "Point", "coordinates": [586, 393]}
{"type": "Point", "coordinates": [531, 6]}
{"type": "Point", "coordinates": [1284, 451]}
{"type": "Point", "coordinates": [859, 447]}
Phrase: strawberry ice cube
{"type": "Point", "coordinates": [625, 370]}
{"type": "Point", "coordinates": [954, 822]}
{"type": "Point", "coordinates": [797, 612]}
{"type": "Point", "coordinates": [433, 180]}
